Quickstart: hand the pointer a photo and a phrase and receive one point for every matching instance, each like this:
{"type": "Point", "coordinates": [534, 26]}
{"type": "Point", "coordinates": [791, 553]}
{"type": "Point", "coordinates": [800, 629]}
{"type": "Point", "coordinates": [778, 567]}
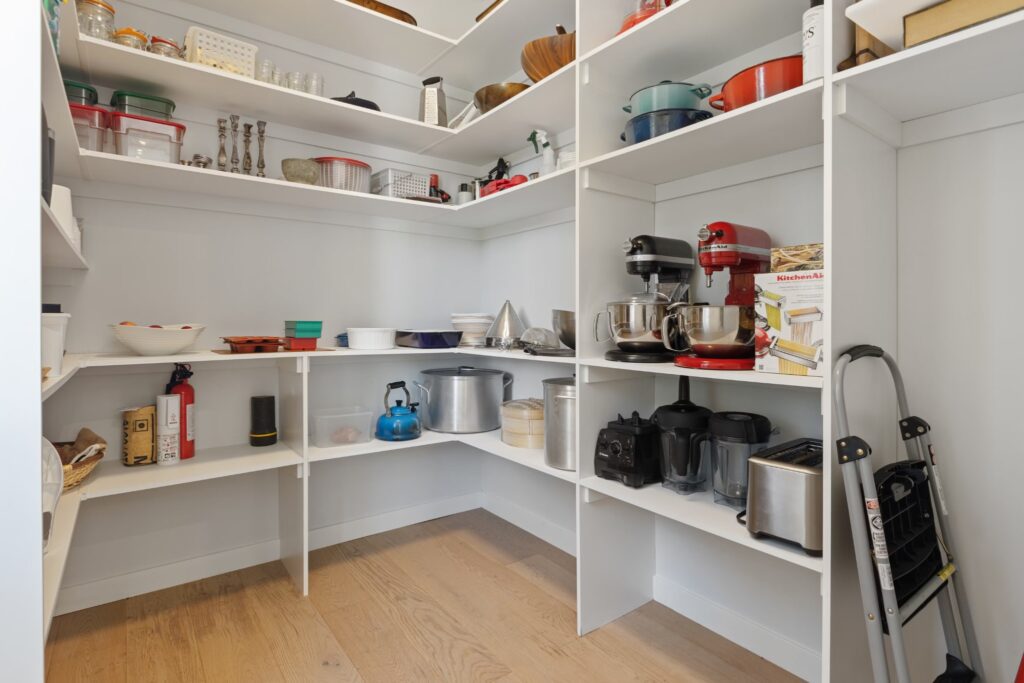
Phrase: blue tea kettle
{"type": "Point", "coordinates": [398, 423]}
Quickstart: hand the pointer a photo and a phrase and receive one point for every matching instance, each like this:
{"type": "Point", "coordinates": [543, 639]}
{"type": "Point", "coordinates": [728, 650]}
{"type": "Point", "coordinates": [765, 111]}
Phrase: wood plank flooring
{"type": "Point", "coordinates": [462, 598]}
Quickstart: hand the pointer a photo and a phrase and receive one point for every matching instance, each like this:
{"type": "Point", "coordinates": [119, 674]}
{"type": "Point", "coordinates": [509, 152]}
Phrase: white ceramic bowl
{"type": "Point", "coordinates": [371, 338]}
{"type": "Point", "coordinates": [165, 340]}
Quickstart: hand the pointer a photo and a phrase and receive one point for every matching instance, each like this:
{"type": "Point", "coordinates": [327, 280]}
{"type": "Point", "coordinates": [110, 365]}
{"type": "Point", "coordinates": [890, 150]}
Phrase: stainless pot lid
{"type": "Point", "coordinates": [463, 371]}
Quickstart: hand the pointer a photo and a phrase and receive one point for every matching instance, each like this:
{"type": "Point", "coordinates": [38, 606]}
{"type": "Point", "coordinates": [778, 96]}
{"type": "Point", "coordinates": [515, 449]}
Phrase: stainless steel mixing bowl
{"type": "Point", "coordinates": [714, 331]}
{"type": "Point", "coordinates": [564, 325]}
{"type": "Point", "coordinates": [636, 325]}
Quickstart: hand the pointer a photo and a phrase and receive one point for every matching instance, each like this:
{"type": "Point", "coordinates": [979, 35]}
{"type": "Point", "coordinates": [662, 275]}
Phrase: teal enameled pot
{"type": "Point", "coordinates": [667, 95]}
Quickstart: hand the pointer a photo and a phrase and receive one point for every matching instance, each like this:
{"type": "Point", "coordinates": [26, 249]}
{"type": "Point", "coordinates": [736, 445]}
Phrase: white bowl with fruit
{"type": "Point", "coordinates": [157, 340]}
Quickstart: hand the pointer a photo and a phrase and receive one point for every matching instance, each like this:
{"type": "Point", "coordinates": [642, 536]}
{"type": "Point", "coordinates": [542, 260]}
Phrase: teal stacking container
{"type": "Point", "coordinates": [303, 329]}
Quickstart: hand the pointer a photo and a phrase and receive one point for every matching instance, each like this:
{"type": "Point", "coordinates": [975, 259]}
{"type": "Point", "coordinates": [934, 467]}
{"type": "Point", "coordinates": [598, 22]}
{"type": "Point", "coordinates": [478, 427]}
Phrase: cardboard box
{"type": "Point", "coordinates": [798, 257]}
{"type": "Point", "coordinates": [790, 310]}
{"type": "Point", "coordinates": [951, 16]}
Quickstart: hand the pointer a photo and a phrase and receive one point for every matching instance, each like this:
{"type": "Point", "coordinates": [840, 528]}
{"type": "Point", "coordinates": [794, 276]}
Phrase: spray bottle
{"type": "Point", "coordinates": [179, 385]}
{"type": "Point", "coordinates": [542, 146]}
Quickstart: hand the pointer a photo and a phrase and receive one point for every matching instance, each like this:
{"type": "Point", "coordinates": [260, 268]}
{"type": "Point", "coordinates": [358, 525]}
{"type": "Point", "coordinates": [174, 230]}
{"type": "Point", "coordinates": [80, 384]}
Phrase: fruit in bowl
{"type": "Point", "coordinates": [157, 340]}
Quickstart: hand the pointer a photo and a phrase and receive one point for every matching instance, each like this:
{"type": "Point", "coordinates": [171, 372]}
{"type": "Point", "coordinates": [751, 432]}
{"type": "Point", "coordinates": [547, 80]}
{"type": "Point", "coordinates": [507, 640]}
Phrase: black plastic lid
{"type": "Point", "coordinates": [817, 3]}
{"type": "Point", "coordinates": [464, 187]}
{"type": "Point", "coordinates": [742, 427]}
{"type": "Point", "coordinates": [682, 415]}
{"type": "Point", "coordinates": [51, 308]}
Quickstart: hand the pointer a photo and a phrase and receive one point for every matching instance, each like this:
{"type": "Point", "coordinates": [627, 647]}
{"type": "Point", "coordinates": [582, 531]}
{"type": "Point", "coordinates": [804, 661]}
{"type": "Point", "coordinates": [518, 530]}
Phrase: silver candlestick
{"type": "Point", "coordinates": [247, 157]}
{"type": "Point", "coordinates": [234, 143]}
{"type": "Point", "coordinates": [261, 138]}
{"type": "Point", "coordinates": [222, 154]}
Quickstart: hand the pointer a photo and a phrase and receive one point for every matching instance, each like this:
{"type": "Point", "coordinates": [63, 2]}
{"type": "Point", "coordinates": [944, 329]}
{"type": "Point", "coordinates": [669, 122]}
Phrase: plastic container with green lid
{"type": "Point", "coordinates": [303, 329]}
{"type": "Point", "coordinates": [140, 104]}
{"type": "Point", "coordinates": [81, 93]}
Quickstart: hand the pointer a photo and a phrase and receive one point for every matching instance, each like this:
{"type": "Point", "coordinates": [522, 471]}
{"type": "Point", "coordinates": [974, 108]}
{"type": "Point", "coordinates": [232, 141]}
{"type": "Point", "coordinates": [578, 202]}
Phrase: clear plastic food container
{"type": "Point", "coordinates": [96, 19]}
{"type": "Point", "coordinates": [164, 47]}
{"type": "Point", "coordinates": [144, 138]}
{"type": "Point", "coordinates": [344, 174]}
{"type": "Point", "coordinates": [341, 427]}
{"type": "Point", "coordinates": [91, 125]}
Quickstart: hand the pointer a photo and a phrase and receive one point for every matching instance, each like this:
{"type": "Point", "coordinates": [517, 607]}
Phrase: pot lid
{"type": "Point", "coordinates": [645, 298]}
{"type": "Point", "coordinates": [464, 371]}
{"type": "Point", "coordinates": [655, 85]}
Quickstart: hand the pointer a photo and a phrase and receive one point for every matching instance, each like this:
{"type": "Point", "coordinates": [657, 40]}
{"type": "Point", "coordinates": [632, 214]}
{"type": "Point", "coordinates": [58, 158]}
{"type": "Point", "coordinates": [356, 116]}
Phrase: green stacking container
{"type": "Point", "coordinates": [303, 329]}
{"type": "Point", "coordinates": [81, 93]}
{"type": "Point", "coordinates": [140, 104]}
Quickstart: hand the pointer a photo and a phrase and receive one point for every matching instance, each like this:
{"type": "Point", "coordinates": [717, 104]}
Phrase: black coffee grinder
{"type": "Point", "coordinates": [627, 451]}
{"type": "Point", "coordinates": [665, 266]}
{"type": "Point", "coordinates": [685, 451]}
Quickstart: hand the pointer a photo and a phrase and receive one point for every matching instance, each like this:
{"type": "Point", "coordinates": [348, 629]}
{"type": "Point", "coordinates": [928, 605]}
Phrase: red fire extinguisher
{"type": "Point", "coordinates": [179, 385]}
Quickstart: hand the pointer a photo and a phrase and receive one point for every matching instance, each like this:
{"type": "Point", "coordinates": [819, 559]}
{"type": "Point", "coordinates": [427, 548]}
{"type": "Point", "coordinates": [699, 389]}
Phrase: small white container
{"type": "Point", "coordinates": [55, 332]}
{"type": "Point", "coordinates": [60, 205]}
{"type": "Point", "coordinates": [168, 429]}
{"type": "Point", "coordinates": [371, 338]}
{"type": "Point", "coordinates": [341, 427]}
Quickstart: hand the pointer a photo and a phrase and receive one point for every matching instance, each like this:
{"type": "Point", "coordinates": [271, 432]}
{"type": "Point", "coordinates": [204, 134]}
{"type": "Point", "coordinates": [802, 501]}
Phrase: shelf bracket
{"type": "Point", "coordinates": [862, 112]}
{"type": "Point", "coordinates": [592, 496]}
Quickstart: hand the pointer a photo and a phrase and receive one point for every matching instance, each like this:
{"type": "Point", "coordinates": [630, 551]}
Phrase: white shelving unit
{"type": "Point", "coordinates": [56, 556]}
{"type": "Point", "coordinates": [58, 251]}
{"type": "Point", "coordinates": [823, 162]}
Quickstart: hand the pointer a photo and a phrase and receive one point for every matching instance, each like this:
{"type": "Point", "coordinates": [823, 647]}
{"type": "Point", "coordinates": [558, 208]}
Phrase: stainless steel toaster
{"type": "Point", "coordinates": [784, 498]}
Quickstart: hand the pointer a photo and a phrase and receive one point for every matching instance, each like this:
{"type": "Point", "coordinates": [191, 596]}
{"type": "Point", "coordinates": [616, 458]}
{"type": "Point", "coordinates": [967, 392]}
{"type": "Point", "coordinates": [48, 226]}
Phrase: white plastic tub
{"type": "Point", "coordinates": [341, 427]}
{"type": "Point", "coordinates": [55, 332]}
{"type": "Point", "coordinates": [371, 338]}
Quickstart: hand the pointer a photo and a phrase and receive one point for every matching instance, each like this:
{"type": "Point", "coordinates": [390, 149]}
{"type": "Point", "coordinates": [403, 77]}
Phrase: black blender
{"type": "Point", "coordinates": [735, 436]}
{"type": "Point", "coordinates": [684, 442]}
{"type": "Point", "coordinates": [635, 323]}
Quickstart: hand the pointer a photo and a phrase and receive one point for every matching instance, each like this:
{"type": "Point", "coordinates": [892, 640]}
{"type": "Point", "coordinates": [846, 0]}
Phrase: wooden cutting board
{"type": "Point", "coordinates": [951, 16]}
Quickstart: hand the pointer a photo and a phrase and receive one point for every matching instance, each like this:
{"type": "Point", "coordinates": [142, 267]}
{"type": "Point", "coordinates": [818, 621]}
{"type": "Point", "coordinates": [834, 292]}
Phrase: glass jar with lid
{"type": "Point", "coordinates": [130, 37]}
{"type": "Point", "coordinates": [96, 19]}
{"type": "Point", "coordinates": [165, 47]}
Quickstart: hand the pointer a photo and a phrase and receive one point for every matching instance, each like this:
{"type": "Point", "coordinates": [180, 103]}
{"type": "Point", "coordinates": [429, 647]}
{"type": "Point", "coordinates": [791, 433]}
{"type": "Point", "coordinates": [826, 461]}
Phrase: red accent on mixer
{"type": "Point", "coordinates": [741, 249]}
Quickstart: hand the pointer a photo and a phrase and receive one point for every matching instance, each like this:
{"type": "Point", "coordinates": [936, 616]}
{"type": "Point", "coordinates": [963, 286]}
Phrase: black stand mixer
{"type": "Point", "coordinates": [635, 323]}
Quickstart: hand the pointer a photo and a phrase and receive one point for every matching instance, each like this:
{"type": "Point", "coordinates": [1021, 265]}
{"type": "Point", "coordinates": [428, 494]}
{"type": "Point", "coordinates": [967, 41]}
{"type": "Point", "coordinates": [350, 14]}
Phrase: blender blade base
{"type": "Point", "coordinates": [698, 363]}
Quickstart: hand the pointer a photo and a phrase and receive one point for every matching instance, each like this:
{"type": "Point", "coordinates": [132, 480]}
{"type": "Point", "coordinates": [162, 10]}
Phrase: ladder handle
{"type": "Point", "coordinates": [864, 351]}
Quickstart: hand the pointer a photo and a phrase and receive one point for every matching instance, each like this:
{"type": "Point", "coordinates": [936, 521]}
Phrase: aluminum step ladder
{"type": "Point", "coordinates": [872, 551]}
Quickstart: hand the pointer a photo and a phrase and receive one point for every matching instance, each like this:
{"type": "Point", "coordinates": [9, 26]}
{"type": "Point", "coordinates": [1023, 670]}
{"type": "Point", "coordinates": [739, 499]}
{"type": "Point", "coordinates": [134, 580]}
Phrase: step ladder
{"type": "Point", "coordinates": [908, 528]}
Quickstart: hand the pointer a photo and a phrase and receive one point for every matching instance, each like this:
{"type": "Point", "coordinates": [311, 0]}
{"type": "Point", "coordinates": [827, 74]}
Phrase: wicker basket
{"type": "Point", "coordinates": [391, 182]}
{"type": "Point", "coordinates": [75, 474]}
{"type": "Point", "coordinates": [203, 46]}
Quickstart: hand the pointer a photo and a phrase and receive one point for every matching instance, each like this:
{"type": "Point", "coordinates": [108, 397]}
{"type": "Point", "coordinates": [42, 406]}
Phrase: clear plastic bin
{"type": "Point", "coordinates": [142, 137]}
{"type": "Point", "coordinates": [91, 125]}
{"type": "Point", "coordinates": [341, 427]}
{"type": "Point", "coordinates": [344, 174]}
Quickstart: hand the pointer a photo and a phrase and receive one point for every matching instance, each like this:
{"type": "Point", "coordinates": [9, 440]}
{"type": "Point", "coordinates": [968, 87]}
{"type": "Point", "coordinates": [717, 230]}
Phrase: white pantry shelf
{"type": "Point", "coordinates": [517, 356]}
{"type": "Point", "coordinates": [783, 123]}
{"type": "Point", "coordinates": [427, 438]}
{"type": "Point", "coordinates": [527, 457]}
{"type": "Point", "coordinates": [55, 105]}
{"type": "Point", "coordinates": [918, 82]}
{"type": "Point", "coordinates": [54, 382]}
{"type": "Point", "coordinates": [536, 197]}
{"type": "Point", "coordinates": [689, 38]}
{"type": "Point", "coordinates": [748, 376]}
{"type": "Point", "coordinates": [56, 556]}
{"type": "Point", "coordinates": [101, 62]}
{"type": "Point", "coordinates": [700, 511]}
{"type": "Point", "coordinates": [112, 478]}
{"type": "Point", "coordinates": [57, 249]}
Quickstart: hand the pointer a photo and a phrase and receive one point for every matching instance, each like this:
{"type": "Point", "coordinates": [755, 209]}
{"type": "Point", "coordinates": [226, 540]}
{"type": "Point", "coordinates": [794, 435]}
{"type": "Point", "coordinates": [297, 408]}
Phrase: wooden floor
{"type": "Point", "coordinates": [463, 598]}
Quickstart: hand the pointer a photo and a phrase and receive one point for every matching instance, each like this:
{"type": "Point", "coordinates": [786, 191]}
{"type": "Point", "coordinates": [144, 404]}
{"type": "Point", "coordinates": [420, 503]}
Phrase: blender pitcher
{"type": "Point", "coordinates": [684, 442]}
{"type": "Point", "coordinates": [735, 437]}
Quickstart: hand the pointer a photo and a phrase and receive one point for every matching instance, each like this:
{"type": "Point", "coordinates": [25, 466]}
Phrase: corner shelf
{"type": "Point", "coordinates": [747, 376]}
{"type": "Point", "coordinates": [914, 83]}
{"type": "Point", "coordinates": [701, 512]}
{"type": "Point", "coordinates": [57, 249]}
{"type": "Point", "coordinates": [111, 478]}
{"type": "Point", "coordinates": [56, 556]}
{"type": "Point", "coordinates": [788, 121]}
{"type": "Point", "coordinates": [532, 458]}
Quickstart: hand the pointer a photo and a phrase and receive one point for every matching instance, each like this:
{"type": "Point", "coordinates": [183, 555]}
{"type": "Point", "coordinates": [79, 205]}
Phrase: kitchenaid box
{"type": "Point", "coordinates": [790, 311]}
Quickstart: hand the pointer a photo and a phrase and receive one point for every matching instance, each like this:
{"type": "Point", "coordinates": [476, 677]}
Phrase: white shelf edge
{"type": "Point", "coordinates": [654, 498]}
{"type": "Point", "coordinates": [532, 458]}
{"type": "Point", "coordinates": [50, 226]}
{"type": "Point", "coordinates": [633, 30]}
{"type": "Point", "coordinates": [743, 376]}
{"type": "Point", "coordinates": [56, 556]}
{"type": "Point", "coordinates": [71, 366]}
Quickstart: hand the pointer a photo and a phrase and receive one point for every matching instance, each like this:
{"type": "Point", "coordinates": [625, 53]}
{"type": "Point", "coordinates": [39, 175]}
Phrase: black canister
{"type": "Point", "coordinates": [48, 152]}
{"type": "Point", "coordinates": [263, 431]}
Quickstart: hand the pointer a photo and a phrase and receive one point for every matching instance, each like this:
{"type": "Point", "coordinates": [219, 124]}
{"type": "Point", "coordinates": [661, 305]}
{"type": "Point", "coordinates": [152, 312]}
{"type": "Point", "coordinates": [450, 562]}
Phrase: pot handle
{"type": "Point", "coordinates": [628, 109]}
{"type": "Point", "coordinates": [717, 102]}
{"type": "Point", "coordinates": [426, 392]}
{"type": "Point", "coordinates": [701, 90]}
{"type": "Point", "coordinates": [507, 380]}
{"type": "Point", "coordinates": [387, 396]}
{"type": "Point", "coordinates": [597, 325]}
{"type": "Point", "coordinates": [666, 335]}
{"type": "Point", "coordinates": [559, 29]}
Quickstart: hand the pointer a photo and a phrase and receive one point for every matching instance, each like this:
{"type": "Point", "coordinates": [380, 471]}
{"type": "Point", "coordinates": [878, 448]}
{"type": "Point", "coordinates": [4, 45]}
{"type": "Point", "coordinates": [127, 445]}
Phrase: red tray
{"type": "Point", "coordinates": [298, 344]}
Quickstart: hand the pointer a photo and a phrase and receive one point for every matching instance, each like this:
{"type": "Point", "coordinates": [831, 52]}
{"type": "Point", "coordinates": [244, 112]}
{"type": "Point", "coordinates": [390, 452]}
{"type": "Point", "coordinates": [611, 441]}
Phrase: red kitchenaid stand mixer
{"type": "Point", "coordinates": [744, 251]}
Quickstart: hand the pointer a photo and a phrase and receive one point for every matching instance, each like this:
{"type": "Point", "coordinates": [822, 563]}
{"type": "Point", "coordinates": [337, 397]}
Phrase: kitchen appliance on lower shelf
{"type": "Point", "coordinates": [784, 498]}
{"type": "Point", "coordinates": [560, 423]}
{"type": "Point", "coordinates": [399, 422]}
{"type": "Point", "coordinates": [735, 437]}
{"type": "Point", "coordinates": [722, 337]}
{"type": "Point", "coordinates": [463, 400]}
{"type": "Point", "coordinates": [635, 323]}
{"type": "Point", "coordinates": [684, 442]}
{"type": "Point", "coordinates": [628, 451]}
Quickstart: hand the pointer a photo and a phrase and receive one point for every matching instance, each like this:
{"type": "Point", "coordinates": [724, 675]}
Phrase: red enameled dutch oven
{"type": "Point", "coordinates": [760, 82]}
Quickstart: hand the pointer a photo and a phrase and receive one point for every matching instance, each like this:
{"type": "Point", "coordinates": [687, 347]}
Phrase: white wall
{"type": "Point", "coordinates": [959, 254]}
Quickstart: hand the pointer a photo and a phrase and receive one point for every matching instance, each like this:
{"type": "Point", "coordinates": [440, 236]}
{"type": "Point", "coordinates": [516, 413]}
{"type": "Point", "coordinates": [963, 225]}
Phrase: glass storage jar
{"type": "Point", "coordinates": [165, 47]}
{"type": "Point", "coordinates": [130, 37]}
{"type": "Point", "coordinates": [96, 19]}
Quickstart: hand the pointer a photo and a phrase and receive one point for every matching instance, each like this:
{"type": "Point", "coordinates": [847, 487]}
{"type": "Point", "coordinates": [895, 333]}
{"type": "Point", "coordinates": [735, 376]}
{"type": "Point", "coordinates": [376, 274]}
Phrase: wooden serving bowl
{"type": "Point", "coordinates": [490, 96]}
{"type": "Point", "coordinates": [545, 56]}
{"type": "Point", "coordinates": [386, 10]}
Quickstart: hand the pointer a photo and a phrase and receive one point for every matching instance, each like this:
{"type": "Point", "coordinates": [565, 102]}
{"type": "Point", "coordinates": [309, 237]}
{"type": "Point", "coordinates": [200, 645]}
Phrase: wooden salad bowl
{"type": "Point", "coordinates": [545, 56]}
{"type": "Point", "coordinates": [386, 10]}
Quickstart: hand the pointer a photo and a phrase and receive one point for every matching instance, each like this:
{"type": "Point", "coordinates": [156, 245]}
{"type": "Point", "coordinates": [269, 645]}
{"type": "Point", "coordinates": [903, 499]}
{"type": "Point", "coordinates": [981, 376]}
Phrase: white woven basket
{"type": "Point", "coordinates": [203, 46]}
{"type": "Point", "coordinates": [391, 182]}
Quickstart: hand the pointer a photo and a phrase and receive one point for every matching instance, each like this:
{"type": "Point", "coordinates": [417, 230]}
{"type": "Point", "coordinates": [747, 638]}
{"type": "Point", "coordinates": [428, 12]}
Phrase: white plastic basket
{"type": "Point", "coordinates": [203, 46]}
{"type": "Point", "coordinates": [392, 182]}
